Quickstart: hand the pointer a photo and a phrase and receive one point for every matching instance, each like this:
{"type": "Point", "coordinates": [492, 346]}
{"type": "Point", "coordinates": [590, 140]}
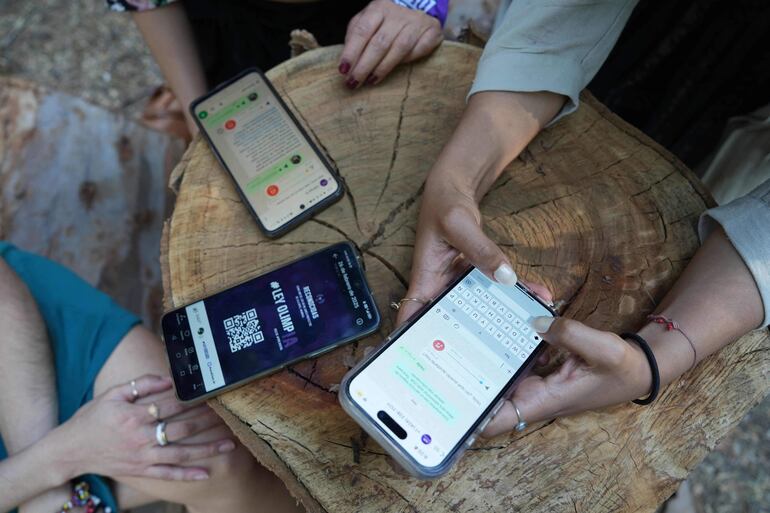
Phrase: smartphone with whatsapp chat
{"type": "Point", "coordinates": [298, 311]}
{"type": "Point", "coordinates": [279, 172]}
{"type": "Point", "coordinates": [432, 387]}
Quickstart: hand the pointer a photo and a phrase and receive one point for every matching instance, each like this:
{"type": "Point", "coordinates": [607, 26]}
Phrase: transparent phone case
{"type": "Point", "coordinates": [392, 448]}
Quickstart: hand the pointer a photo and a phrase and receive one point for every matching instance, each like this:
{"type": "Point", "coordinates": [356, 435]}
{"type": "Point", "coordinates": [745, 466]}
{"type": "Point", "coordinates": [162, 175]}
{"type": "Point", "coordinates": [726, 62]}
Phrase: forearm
{"type": "Point", "coordinates": [715, 301]}
{"type": "Point", "coordinates": [494, 129]}
{"type": "Point", "coordinates": [168, 34]}
{"type": "Point", "coordinates": [34, 470]}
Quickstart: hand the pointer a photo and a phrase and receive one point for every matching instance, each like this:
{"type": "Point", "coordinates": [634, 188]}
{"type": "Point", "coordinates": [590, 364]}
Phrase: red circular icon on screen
{"type": "Point", "coordinates": [230, 124]}
{"type": "Point", "coordinates": [438, 345]}
{"type": "Point", "coordinates": [272, 190]}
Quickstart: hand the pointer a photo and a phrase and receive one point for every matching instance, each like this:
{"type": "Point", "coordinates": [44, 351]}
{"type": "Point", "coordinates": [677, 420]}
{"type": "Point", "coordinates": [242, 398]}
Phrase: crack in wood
{"type": "Point", "coordinates": [392, 268]}
{"type": "Point", "coordinates": [293, 372]}
{"type": "Point", "coordinates": [404, 205]}
{"type": "Point", "coordinates": [368, 451]}
{"type": "Point", "coordinates": [280, 436]}
{"type": "Point", "coordinates": [397, 138]}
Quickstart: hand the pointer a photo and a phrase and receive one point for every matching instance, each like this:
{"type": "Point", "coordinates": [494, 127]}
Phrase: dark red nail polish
{"type": "Point", "coordinates": [371, 79]}
{"type": "Point", "coordinates": [344, 67]}
{"type": "Point", "coordinates": [352, 83]}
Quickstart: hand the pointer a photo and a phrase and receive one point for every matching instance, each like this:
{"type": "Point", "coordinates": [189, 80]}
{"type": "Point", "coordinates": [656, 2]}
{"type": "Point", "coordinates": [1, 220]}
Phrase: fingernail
{"type": "Point", "coordinates": [352, 83]}
{"type": "Point", "coordinates": [370, 80]}
{"type": "Point", "coordinates": [344, 67]}
{"type": "Point", "coordinates": [200, 477]}
{"type": "Point", "coordinates": [541, 324]}
{"type": "Point", "coordinates": [226, 446]}
{"type": "Point", "coordinates": [505, 275]}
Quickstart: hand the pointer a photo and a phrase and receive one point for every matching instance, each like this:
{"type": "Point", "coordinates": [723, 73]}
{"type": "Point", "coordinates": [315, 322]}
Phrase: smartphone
{"type": "Point", "coordinates": [279, 172]}
{"type": "Point", "coordinates": [435, 383]}
{"type": "Point", "coordinates": [298, 311]}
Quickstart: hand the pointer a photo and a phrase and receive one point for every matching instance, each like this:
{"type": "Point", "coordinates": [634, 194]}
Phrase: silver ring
{"type": "Point", "coordinates": [160, 434]}
{"type": "Point", "coordinates": [522, 424]}
{"type": "Point", "coordinates": [134, 391]}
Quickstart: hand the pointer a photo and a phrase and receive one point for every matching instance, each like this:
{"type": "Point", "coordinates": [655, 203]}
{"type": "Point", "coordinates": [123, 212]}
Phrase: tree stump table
{"type": "Point", "coordinates": [593, 209]}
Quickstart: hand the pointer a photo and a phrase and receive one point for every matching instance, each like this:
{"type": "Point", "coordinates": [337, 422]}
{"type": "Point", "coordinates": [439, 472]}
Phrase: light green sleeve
{"type": "Point", "coordinates": [555, 46]}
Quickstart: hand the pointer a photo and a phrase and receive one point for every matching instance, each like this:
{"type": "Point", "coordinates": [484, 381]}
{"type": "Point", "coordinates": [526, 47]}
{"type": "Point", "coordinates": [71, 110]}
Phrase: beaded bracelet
{"type": "Point", "coordinates": [81, 496]}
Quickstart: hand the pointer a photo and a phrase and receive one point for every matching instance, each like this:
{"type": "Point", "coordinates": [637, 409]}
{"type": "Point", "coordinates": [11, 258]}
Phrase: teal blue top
{"type": "Point", "coordinates": [84, 327]}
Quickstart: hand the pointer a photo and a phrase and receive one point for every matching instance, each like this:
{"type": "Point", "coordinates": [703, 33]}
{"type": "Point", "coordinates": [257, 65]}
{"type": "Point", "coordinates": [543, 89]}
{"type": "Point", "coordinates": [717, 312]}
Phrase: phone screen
{"type": "Point", "coordinates": [432, 384]}
{"type": "Point", "coordinates": [277, 169]}
{"type": "Point", "coordinates": [303, 308]}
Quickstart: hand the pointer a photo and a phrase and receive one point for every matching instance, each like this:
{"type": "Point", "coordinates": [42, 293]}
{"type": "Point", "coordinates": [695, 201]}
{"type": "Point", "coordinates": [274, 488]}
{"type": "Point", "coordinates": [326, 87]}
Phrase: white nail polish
{"type": "Point", "coordinates": [541, 324]}
{"type": "Point", "coordinates": [505, 275]}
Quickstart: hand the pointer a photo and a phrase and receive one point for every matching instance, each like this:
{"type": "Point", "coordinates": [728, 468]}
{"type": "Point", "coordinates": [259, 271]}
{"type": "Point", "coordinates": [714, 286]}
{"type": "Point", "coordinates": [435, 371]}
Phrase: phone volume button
{"type": "Point", "coordinates": [470, 441]}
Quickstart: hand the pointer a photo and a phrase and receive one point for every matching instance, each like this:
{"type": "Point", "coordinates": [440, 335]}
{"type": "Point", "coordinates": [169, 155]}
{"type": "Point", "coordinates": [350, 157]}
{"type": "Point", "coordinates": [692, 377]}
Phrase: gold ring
{"type": "Point", "coordinates": [134, 391]}
{"type": "Point", "coordinates": [396, 305]}
{"type": "Point", "coordinates": [154, 411]}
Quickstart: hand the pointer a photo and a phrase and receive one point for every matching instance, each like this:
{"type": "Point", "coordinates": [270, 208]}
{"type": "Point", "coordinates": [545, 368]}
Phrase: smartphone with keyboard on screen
{"type": "Point", "coordinates": [436, 382]}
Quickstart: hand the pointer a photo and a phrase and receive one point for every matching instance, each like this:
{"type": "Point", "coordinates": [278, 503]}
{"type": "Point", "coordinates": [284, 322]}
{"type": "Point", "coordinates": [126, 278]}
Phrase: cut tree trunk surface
{"type": "Point", "coordinates": [593, 209]}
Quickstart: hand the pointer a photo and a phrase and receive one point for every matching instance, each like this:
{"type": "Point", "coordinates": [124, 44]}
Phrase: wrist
{"type": "Point", "coordinates": [62, 455]}
{"type": "Point", "coordinates": [495, 127]}
{"type": "Point", "coordinates": [672, 351]}
{"type": "Point", "coordinates": [639, 372]}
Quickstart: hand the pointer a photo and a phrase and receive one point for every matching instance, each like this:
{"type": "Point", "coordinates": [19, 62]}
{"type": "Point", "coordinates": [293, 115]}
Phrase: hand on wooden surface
{"type": "Point", "coordinates": [114, 436]}
{"type": "Point", "coordinates": [382, 36]}
{"type": "Point", "coordinates": [601, 370]}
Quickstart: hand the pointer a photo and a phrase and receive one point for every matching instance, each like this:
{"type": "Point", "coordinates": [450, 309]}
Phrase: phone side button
{"type": "Point", "coordinates": [470, 441]}
{"type": "Point", "coordinates": [496, 409]}
{"type": "Point", "coordinates": [484, 424]}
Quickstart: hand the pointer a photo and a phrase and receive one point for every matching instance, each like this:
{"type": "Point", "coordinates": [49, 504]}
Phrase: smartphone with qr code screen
{"type": "Point", "coordinates": [293, 313]}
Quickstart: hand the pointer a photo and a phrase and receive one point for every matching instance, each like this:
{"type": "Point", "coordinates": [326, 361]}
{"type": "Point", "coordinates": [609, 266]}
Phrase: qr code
{"type": "Point", "coordinates": [243, 330]}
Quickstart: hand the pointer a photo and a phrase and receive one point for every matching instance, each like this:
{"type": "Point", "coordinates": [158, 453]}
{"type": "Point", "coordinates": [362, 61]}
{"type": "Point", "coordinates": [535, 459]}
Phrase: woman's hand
{"type": "Point", "coordinates": [601, 370]}
{"type": "Point", "coordinates": [114, 436]}
{"type": "Point", "coordinates": [383, 35]}
{"type": "Point", "coordinates": [449, 236]}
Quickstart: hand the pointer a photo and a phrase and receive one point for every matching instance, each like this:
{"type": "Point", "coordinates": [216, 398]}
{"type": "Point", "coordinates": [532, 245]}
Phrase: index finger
{"type": "Point", "coordinates": [594, 346]}
{"type": "Point", "coordinates": [140, 387]}
{"type": "Point", "coordinates": [360, 30]}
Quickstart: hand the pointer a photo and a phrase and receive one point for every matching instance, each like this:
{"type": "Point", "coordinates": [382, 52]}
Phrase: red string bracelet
{"type": "Point", "coordinates": [672, 325]}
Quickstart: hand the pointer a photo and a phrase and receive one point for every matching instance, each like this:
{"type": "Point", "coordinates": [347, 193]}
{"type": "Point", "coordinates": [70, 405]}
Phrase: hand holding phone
{"type": "Point", "coordinates": [437, 381]}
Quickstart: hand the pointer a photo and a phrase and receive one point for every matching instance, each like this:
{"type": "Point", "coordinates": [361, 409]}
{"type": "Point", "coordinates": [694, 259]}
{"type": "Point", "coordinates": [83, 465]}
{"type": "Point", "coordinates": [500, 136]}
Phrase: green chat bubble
{"type": "Point", "coordinates": [271, 174]}
{"type": "Point", "coordinates": [227, 112]}
{"type": "Point", "coordinates": [424, 391]}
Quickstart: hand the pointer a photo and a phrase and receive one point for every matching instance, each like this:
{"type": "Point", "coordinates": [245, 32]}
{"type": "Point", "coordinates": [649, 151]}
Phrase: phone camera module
{"type": "Point", "coordinates": [253, 97]}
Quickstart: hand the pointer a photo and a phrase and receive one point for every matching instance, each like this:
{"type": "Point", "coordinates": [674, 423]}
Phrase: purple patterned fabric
{"type": "Point", "coordinates": [436, 8]}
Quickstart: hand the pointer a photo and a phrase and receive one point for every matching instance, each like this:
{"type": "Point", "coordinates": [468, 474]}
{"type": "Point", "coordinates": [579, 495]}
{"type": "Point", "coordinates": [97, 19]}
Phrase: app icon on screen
{"type": "Point", "coordinates": [230, 124]}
